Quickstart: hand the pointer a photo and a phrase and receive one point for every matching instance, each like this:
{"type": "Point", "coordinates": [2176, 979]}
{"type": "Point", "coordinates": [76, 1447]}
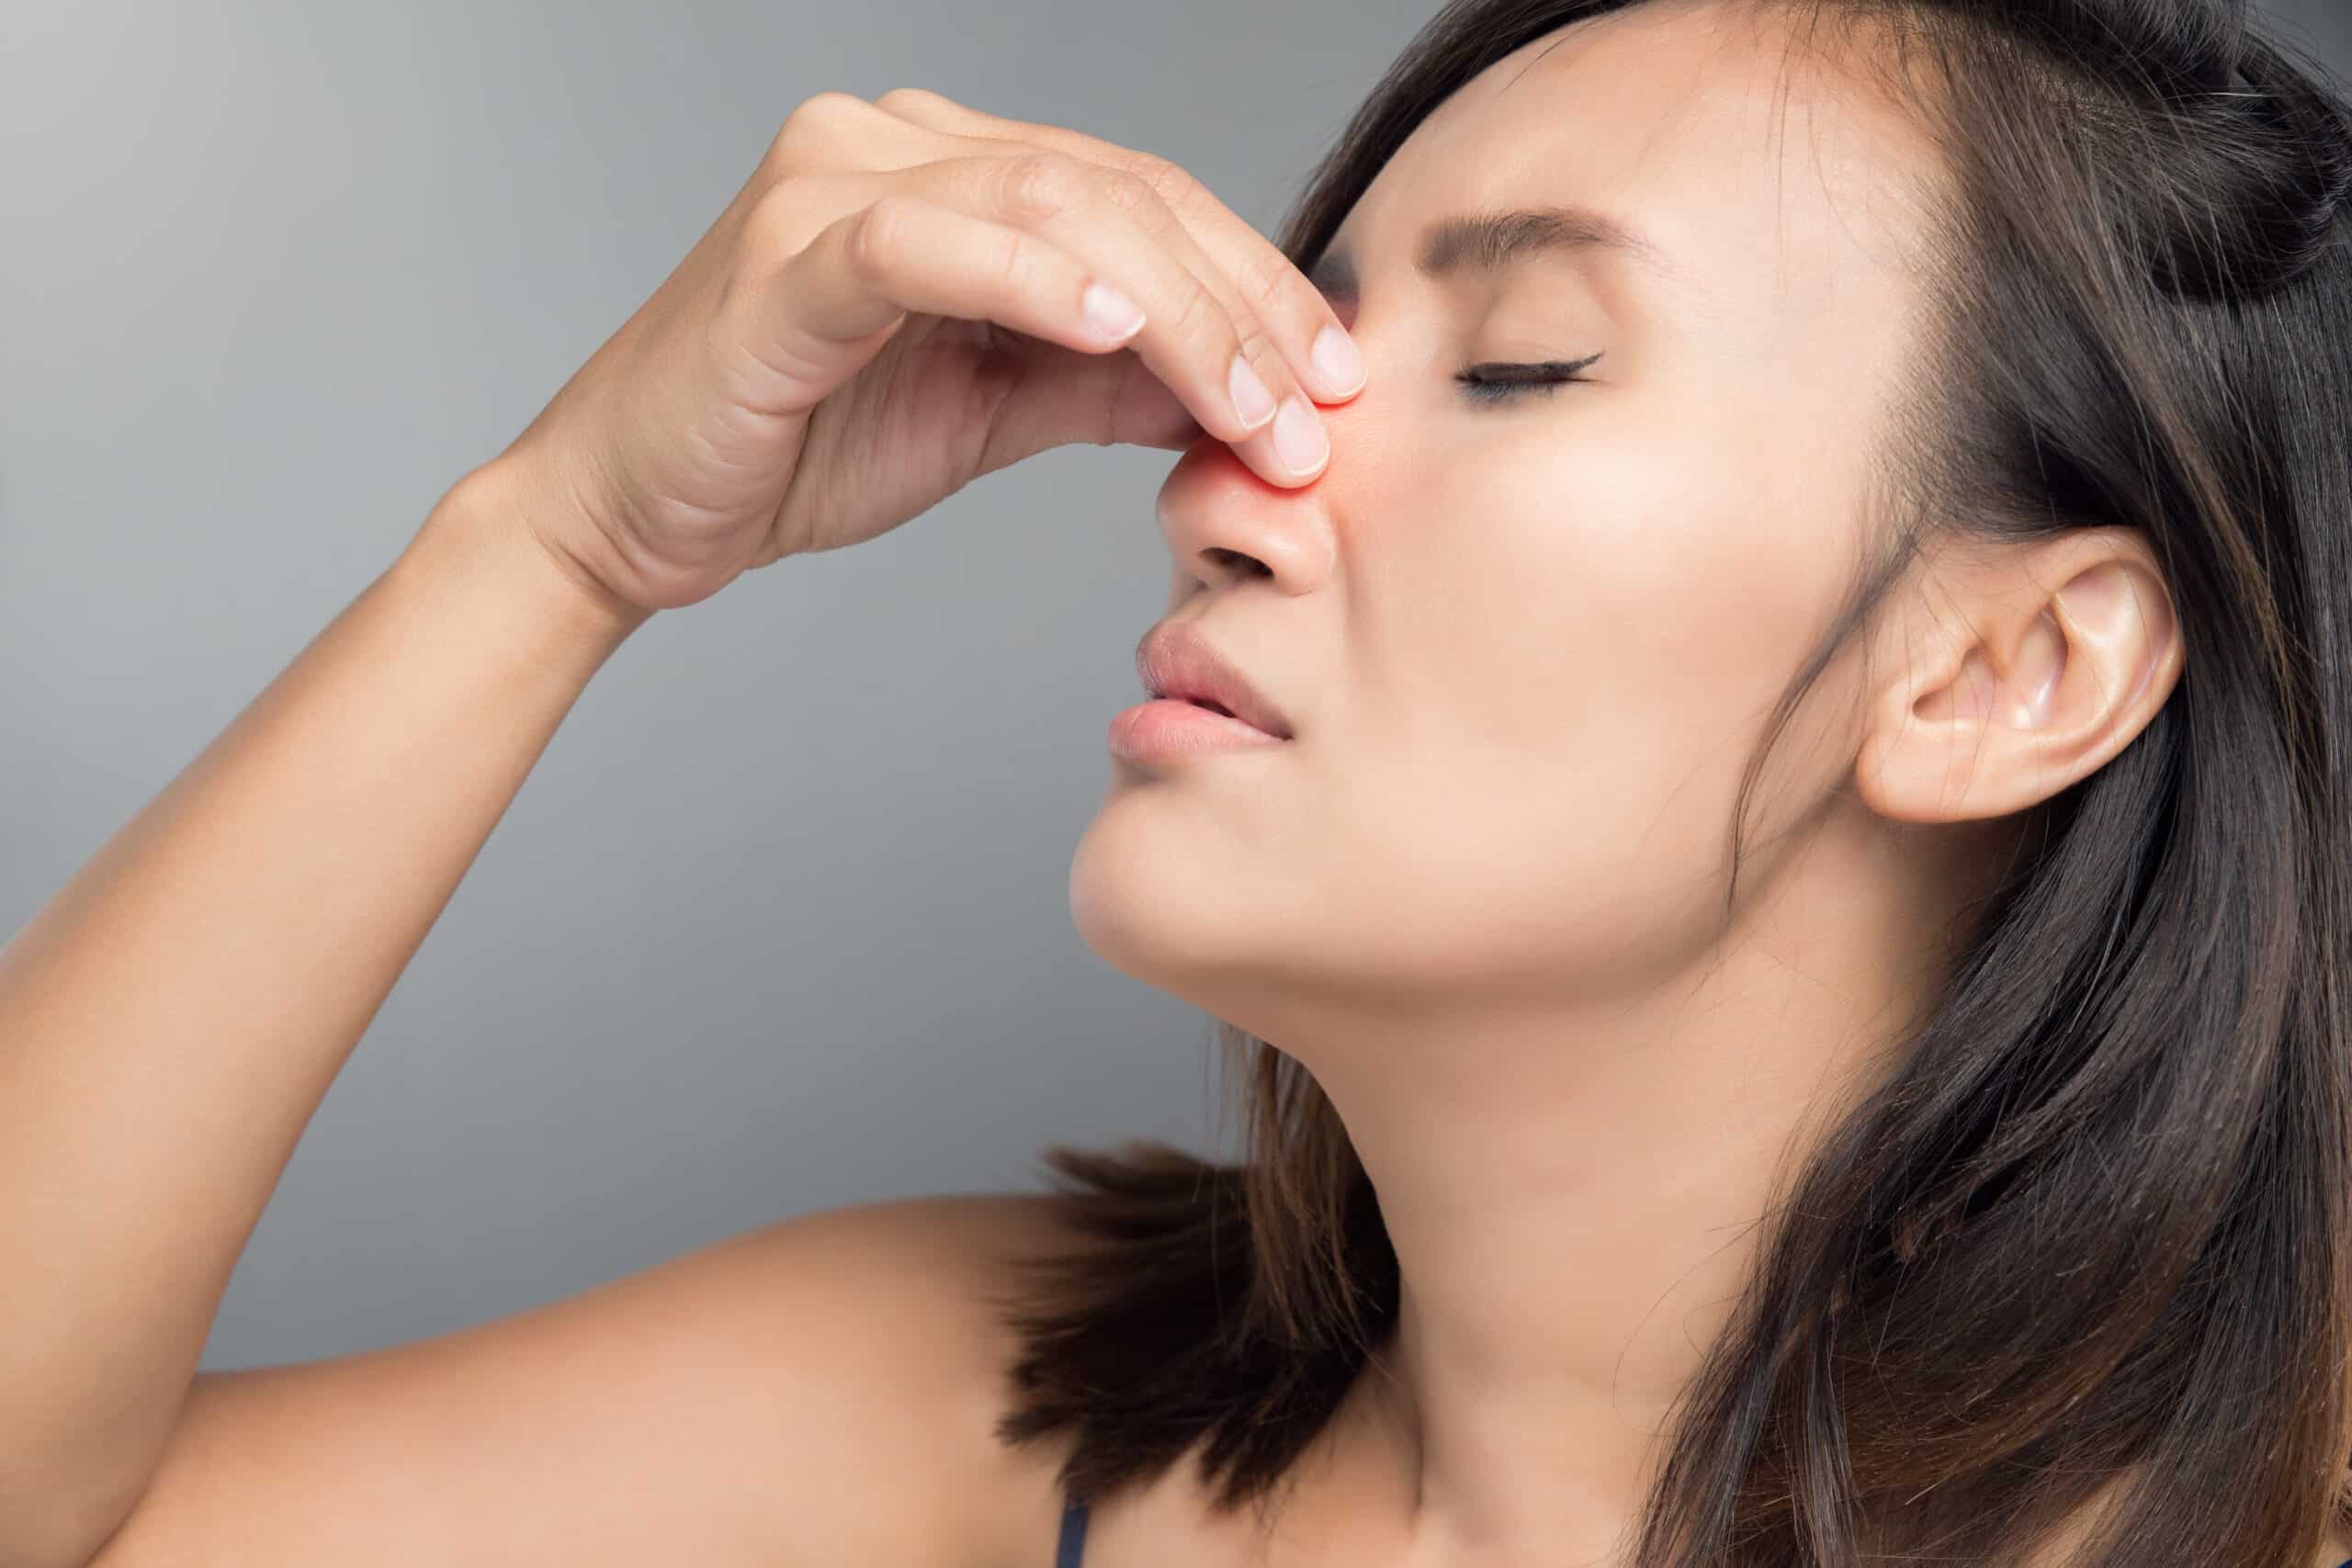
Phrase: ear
{"type": "Point", "coordinates": [2017, 675]}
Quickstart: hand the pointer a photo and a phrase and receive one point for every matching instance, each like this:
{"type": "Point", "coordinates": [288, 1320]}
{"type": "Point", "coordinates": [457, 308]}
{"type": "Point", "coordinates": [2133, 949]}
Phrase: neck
{"type": "Point", "coordinates": [1577, 1193]}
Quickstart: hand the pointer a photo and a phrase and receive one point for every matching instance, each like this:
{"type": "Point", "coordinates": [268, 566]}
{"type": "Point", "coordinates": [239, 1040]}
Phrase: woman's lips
{"type": "Point", "coordinates": [1175, 659]}
{"type": "Point", "coordinates": [1173, 728]}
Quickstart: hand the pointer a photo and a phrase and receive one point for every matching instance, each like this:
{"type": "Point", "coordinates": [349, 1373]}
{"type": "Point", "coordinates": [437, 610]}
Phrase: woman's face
{"type": "Point", "coordinates": [1527, 645]}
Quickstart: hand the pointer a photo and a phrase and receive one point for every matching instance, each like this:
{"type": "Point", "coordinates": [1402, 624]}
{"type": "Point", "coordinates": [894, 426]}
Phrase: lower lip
{"type": "Point", "coordinates": [1165, 728]}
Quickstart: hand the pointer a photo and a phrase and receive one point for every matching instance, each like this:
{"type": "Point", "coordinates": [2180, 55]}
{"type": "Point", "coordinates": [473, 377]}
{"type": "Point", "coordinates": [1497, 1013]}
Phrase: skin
{"type": "Point", "coordinates": [1526, 650]}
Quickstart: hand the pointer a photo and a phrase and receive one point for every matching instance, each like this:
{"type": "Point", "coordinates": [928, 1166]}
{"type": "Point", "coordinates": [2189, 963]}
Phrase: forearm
{"type": "Point", "coordinates": [171, 1016]}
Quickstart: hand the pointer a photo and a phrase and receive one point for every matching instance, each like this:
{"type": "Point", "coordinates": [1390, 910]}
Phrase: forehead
{"type": "Point", "coordinates": [1774, 183]}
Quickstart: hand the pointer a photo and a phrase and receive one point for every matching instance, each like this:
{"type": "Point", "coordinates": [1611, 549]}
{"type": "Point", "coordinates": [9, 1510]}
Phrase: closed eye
{"type": "Point", "coordinates": [1493, 383]}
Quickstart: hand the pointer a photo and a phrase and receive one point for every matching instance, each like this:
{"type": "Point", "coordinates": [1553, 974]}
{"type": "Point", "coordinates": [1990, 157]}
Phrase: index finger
{"type": "Point", "coordinates": [1293, 309]}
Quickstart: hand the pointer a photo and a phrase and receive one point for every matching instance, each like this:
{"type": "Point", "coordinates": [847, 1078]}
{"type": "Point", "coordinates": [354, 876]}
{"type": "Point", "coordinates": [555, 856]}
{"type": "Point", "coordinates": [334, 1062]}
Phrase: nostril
{"type": "Point", "coordinates": [1250, 566]}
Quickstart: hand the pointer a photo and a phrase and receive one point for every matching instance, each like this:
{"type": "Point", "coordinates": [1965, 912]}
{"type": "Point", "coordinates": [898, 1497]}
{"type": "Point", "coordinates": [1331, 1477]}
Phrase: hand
{"type": "Point", "coordinates": [892, 306]}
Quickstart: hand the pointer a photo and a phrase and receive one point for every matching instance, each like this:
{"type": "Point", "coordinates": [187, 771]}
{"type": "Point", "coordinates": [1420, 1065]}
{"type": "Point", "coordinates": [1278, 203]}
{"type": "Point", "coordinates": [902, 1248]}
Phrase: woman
{"type": "Point", "coordinates": [1779, 1025]}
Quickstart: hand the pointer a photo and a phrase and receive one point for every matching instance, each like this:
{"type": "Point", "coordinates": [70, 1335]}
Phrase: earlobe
{"type": "Point", "coordinates": [2024, 695]}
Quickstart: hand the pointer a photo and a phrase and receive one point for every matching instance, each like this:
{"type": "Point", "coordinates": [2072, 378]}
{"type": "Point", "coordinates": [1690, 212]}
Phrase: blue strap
{"type": "Point", "coordinates": [1073, 1543]}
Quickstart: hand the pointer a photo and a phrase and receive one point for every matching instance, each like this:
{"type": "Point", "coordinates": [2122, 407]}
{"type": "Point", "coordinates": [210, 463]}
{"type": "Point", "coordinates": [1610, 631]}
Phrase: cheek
{"type": "Point", "coordinates": [1622, 601]}
{"type": "Point", "coordinates": [1578, 656]}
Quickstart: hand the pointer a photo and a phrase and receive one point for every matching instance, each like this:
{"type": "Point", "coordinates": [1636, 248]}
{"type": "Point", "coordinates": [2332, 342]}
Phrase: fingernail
{"type": "Point", "coordinates": [1338, 362]}
{"type": "Point", "coordinates": [1299, 440]}
{"type": "Point", "coordinates": [1252, 400]}
{"type": "Point", "coordinates": [1112, 313]}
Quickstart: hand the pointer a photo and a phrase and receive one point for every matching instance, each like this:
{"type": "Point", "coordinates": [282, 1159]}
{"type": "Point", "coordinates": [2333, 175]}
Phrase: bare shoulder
{"type": "Point", "coordinates": [917, 1285]}
{"type": "Point", "coordinates": [824, 1389]}
{"type": "Point", "coordinates": [946, 1263]}
{"type": "Point", "coordinates": [903, 1297]}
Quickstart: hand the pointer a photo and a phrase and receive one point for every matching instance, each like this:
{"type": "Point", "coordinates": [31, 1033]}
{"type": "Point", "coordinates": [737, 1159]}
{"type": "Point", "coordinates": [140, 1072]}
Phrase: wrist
{"type": "Point", "coordinates": [485, 516]}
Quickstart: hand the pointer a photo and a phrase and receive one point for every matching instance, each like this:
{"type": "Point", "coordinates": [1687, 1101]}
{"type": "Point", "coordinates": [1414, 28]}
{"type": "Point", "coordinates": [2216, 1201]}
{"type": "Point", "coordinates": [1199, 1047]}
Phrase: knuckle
{"type": "Point", "coordinates": [1261, 278]}
{"type": "Point", "coordinates": [813, 123]}
{"type": "Point", "coordinates": [1126, 189]}
{"type": "Point", "coordinates": [907, 97]}
{"type": "Point", "coordinates": [1169, 181]}
{"type": "Point", "coordinates": [821, 111]}
{"type": "Point", "coordinates": [1257, 346]}
{"type": "Point", "coordinates": [878, 236]}
{"type": "Point", "coordinates": [1038, 186]}
{"type": "Point", "coordinates": [1195, 312]}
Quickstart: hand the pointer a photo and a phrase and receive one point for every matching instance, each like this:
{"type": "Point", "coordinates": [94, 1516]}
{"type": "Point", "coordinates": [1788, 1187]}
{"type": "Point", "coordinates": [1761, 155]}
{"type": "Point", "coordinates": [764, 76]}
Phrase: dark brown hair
{"type": "Point", "coordinates": [2085, 1242]}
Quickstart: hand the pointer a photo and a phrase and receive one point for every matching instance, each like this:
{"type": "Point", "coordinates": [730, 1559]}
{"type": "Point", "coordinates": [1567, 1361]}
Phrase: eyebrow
{"type": "Point", "coordinates": [1488, 242]}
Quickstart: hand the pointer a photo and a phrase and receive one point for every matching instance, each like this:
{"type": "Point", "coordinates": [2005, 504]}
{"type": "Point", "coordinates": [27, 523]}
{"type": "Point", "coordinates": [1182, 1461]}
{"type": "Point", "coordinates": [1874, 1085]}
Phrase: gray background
{"type": "Point", "coordinates": [779, 922]}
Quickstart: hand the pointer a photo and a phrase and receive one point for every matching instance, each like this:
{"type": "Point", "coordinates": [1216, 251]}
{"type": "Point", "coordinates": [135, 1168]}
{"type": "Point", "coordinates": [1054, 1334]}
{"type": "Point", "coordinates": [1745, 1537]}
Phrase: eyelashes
{"type": "Point", "coordinates": [1493, 382]}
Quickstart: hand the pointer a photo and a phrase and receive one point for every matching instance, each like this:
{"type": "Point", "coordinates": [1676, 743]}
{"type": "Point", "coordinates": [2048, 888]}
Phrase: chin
{"type": "Point", "coordinates": [1119, 897]}
{"type": "Point", "coordinates": [1150, 902]}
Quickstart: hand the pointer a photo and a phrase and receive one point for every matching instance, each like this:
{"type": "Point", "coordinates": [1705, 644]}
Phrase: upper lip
{"type": "Point", "coordinates": [1176, 660]}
